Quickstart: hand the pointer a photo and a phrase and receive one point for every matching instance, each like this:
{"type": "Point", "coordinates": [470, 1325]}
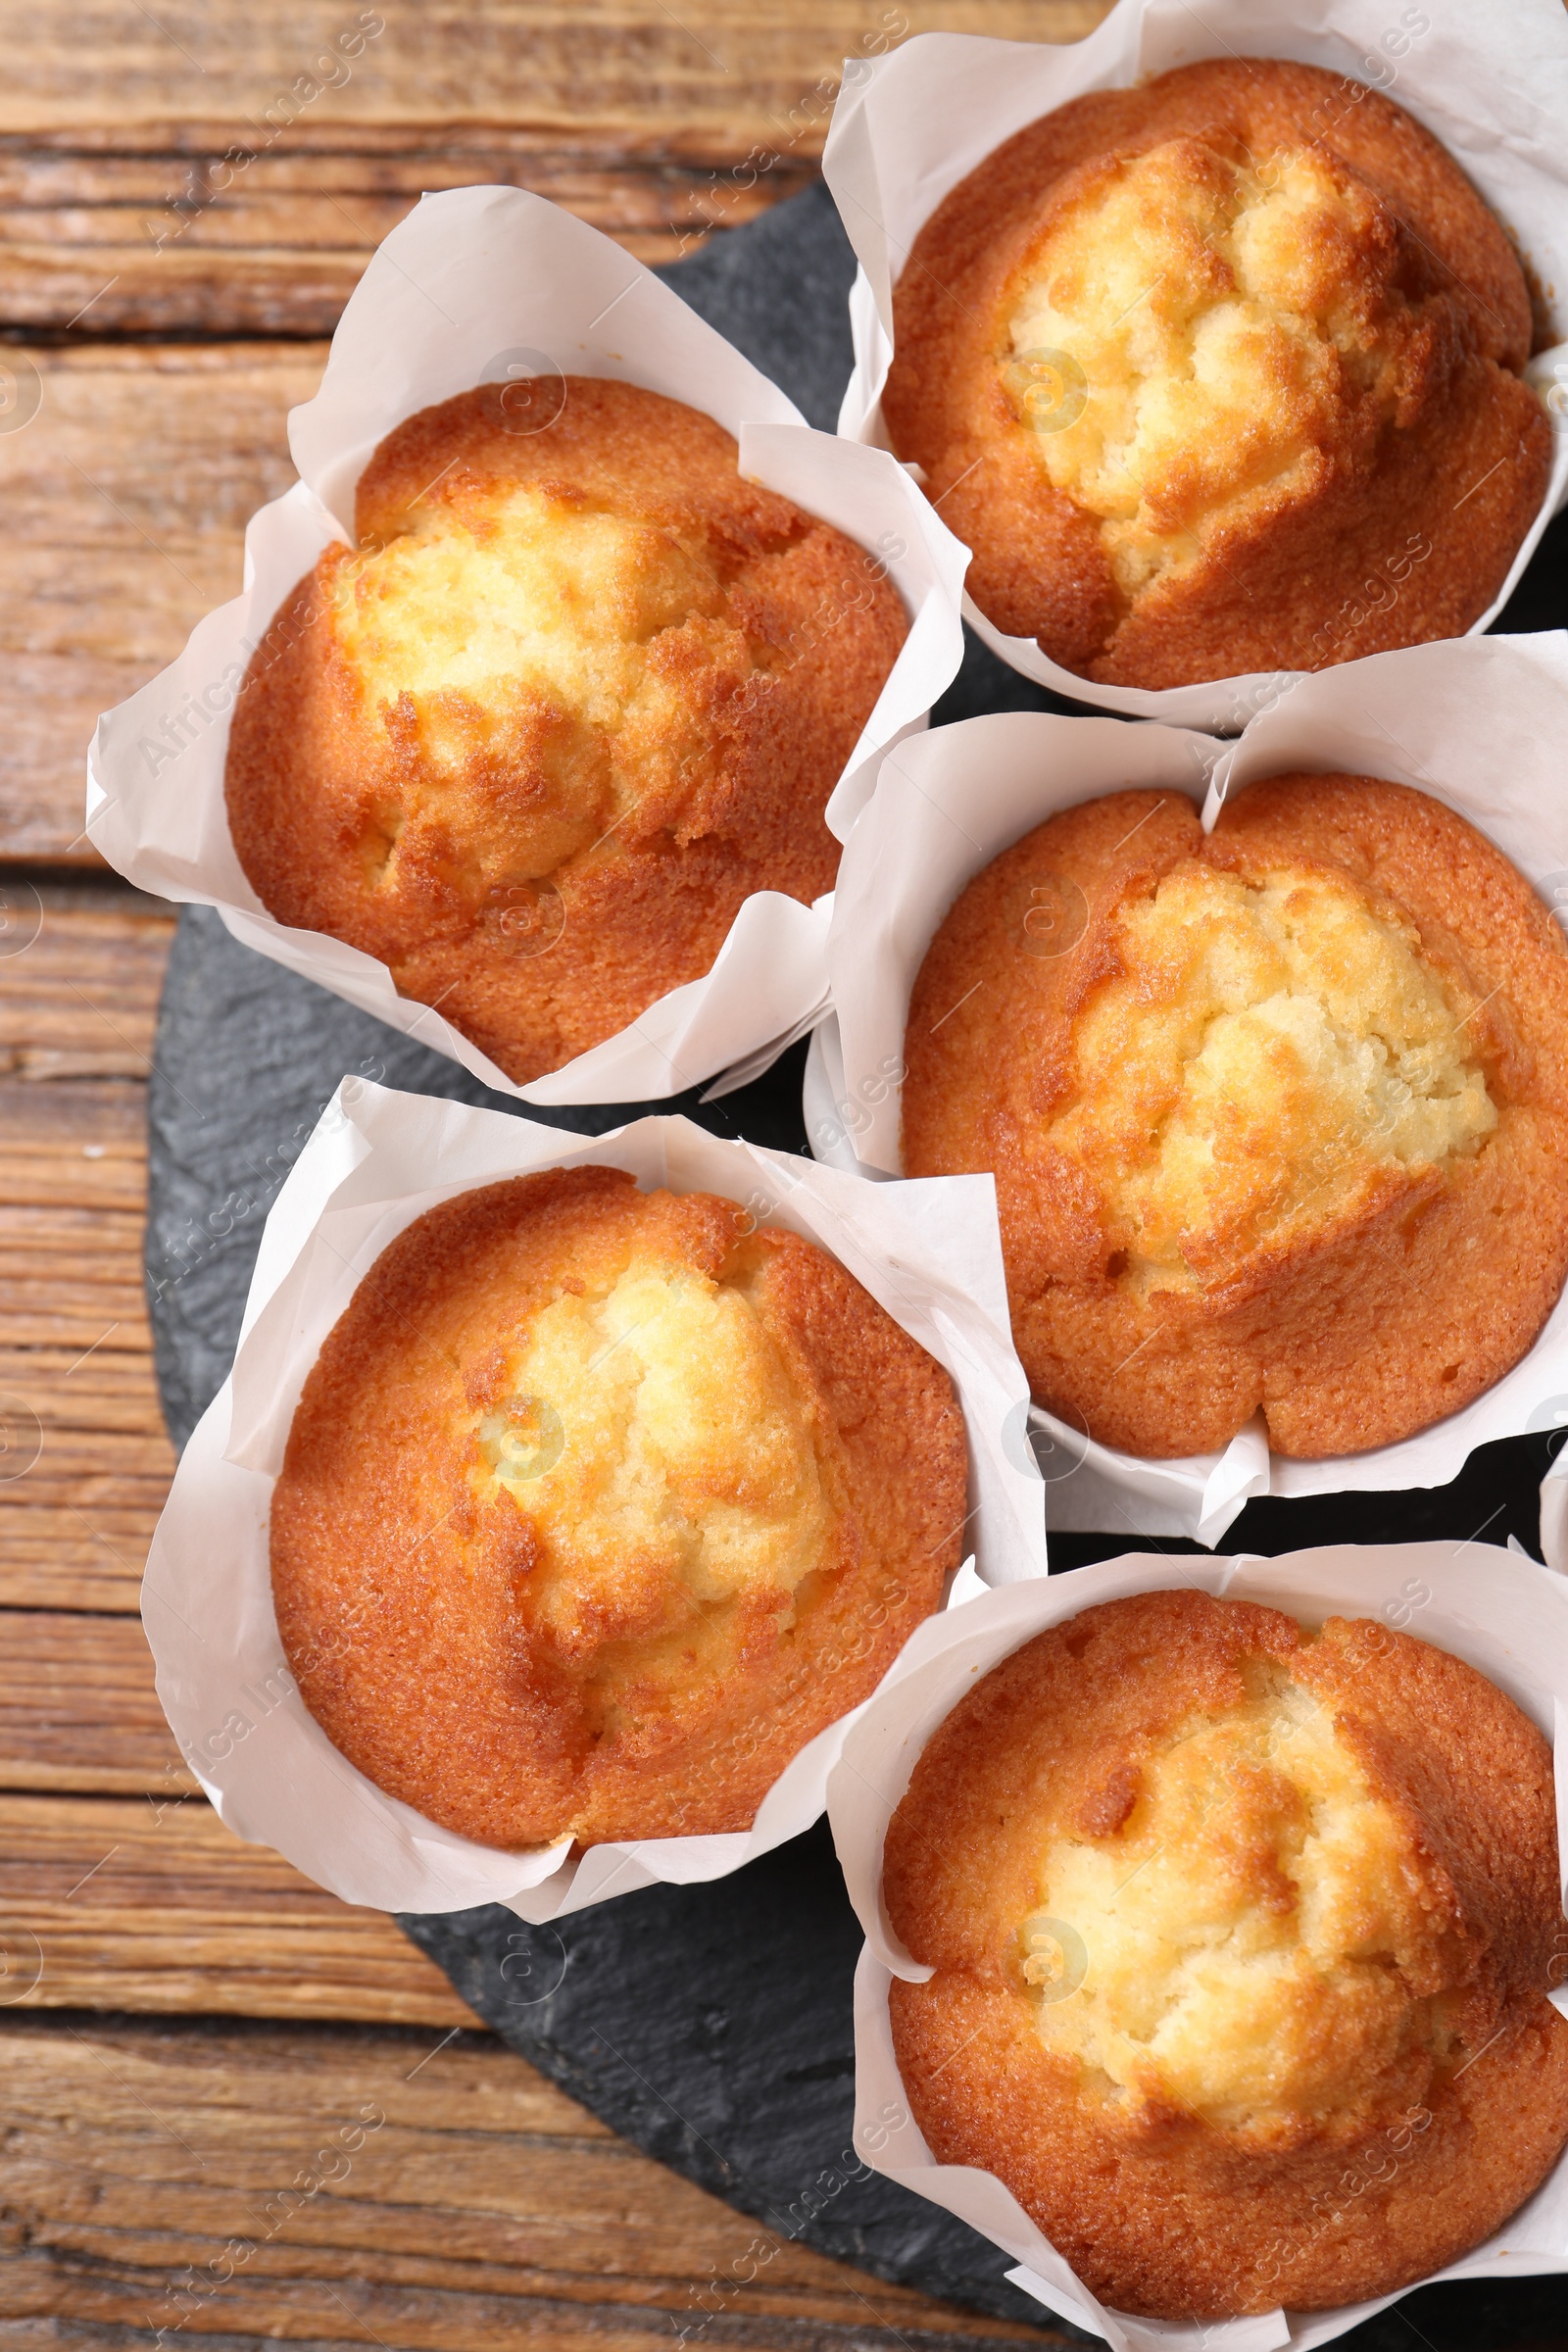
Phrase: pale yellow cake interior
{"type": "Point", "coordinates": [1208, 305]}
{"type": "Point", "coordinates": [1258, 1949]}
{"type": "Point", "coordinates": [653, 1438]}
{"type": "Point", "coordinates": [1268, 1056]}
{"type": "Point", "coordinates": [526, 628]}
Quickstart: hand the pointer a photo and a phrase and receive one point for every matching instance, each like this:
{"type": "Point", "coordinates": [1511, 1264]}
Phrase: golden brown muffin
{"type": "Point", "coordinates": [578, 694]}
{"type": "Point", "coordinates": [599, 1504]}
{"type": "Point", "coordinates": [1241, 1940]}
{"type": "Point", "coordinates": [1220, 374]}
{"type": "Point", "coordinates": [1278, 1117]}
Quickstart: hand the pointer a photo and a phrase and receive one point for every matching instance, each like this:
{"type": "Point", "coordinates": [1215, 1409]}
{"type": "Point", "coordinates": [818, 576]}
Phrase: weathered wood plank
{"type": "Point", "coordinates": [68, 1278]}
{"type": "Point", "coordinates": [85, 1463]}
{"type": "Point", "coordinates": [138, 1903]}
{"type": "Point", "coordinates": [54, 1560]}
{"type": "Point", "coordinates": [649, 79]}
{"type": "Point", "coordinates": [79, 1712]}
{"type": "Point", "coordinates": [124, 503]}
{"type": "Point", "coordinates": [85, 1121]}
{"type": "Point", "coordinates": [380, 2187]}
{"type": "Point", "coordinates": [81, 1001]}
{"type": "Point", "coordinates": [280, 253]}
{"type": "Point", "coordinates": [63, 1558]}
{"type": "Point", "coordinates": [222, 178]}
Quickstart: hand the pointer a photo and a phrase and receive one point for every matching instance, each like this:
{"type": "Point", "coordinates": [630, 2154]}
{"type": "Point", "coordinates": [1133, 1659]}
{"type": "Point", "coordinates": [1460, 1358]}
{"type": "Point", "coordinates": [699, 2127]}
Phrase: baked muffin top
{"type": "Point", "coordinates": [576, 693]}
{"type": "Point", "coordinates": [598, 1505]}
{"type": "Point", "coordinates": [1278, 1115]}
{"type": "Point", "coordinates": [1220, 374]}
{"type": "Point", "coordinates": [1226, 1917]}
{"type": "Point", "coordinates": [1267, 1047]}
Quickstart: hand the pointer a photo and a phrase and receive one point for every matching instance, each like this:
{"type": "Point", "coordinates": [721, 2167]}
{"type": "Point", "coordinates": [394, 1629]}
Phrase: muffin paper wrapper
{"type": "Point", "coordinates": [1475, 722]}
{"type": "Point", "coordinates": [1555, 1496]}
{"type": "Point", "coordinates": [910, 126]}
{"type": "Point", "coordinates": [929, 1252]}
{"type": "Point", "coordinates": [1501, 1611]}
{"type": "Point", "coordinates": [473, 283]}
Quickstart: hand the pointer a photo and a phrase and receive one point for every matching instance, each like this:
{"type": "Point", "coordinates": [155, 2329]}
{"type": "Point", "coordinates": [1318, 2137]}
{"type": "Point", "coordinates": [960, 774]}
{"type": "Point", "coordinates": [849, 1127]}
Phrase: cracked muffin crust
{"type": "Point", "coordinates": [599, 1504]}
{"type": "Point", "coordinates": [1241, 1938]}
{"type": "Point", "coordinates": [575, 696]}
{"type": "Point", "coordinates": [1278, 1115]}
{"type": "Point", "coordinates": [1221, 375]}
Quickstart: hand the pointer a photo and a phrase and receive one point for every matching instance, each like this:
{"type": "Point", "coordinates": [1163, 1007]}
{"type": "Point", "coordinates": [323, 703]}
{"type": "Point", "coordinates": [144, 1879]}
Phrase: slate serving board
{"type": "Point", "coordinates": [710, 2024]}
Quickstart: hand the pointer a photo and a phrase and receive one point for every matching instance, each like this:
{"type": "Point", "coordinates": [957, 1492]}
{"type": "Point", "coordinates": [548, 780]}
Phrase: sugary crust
{"type": "Point", "coordinates": [433, 1635]}
{"type": "Point", "coordinates": [538, 961]}
{"type": "Point", "coordinates": [1166, 2215]}
{"type": "Point", "coordinates": [1354, 1336]}
{"type": "Point", "coordinates": [1412, 523]}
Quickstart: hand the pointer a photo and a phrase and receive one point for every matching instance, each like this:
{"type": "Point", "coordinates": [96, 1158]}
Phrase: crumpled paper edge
{"type": "Point", "coordinates": [1473, 722]}
{"type": "Point", "coordinates": [1500, 121]}
{"type": "Point", "coordinates": [515, 267]}
{"type": "Point", "coordinates": [1500, 1610]}
{"type": "Point", "coordinates": [377, 1158]}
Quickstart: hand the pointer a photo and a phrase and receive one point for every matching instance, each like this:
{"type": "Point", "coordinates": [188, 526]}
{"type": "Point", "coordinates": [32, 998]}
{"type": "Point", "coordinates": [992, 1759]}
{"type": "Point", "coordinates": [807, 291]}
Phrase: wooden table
{"type": "Point", "coordinates": [186, 2021]}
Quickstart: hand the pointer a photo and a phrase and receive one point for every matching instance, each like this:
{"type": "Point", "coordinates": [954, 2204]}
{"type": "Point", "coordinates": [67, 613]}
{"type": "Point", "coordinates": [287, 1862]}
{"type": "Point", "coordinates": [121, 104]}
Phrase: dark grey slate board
{"type": "Point", "coordinates": [710, 2024]}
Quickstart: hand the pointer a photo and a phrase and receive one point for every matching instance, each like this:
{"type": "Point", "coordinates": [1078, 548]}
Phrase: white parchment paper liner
{"type": "Point", "coordinates": [1499, 1610]}
{"type": "Point", "coordinates": [930, 1253]}
{"type": "Point", "coordinates": [1477, 723]}
{"type": "Point", "coordinates": [1493, 85]}
{"type": "Point", "coordinates": [474, 283]}
{"type": "Point", "coordinates": [1553, 1414]}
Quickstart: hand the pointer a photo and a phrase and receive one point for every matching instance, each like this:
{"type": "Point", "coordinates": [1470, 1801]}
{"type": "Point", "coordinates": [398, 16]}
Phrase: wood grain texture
{"type": "Point", "coordinates": [236, 2183]}
{"type": "Point", "coordinates": [279, 252]}
{"type": "Point", "coordinates": [151, 1903]}
{"type": "Point", "coordinates": [656, 81]}
{"type": "Point", "coordinates": [124, 503]}
{"type": "Point", "coordinates": [232, 173]}
{"type": "Point", "coordinates": [80, 998]}
{"type": "Point", "coordinates": [78, 1711]}
{"type": "Point", "coordinates": [86, 1464]}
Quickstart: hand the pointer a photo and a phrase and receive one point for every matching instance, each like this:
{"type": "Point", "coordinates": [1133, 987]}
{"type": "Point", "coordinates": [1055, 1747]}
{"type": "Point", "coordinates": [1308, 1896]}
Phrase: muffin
{"type": "Point", "coordinates": [1278, 1115]}
{"type": "Point", "coordinates": [578, 693]}
{"type": "Point", "coordinates": [1241, 1938]}
{"type": "Point", "coordinates": [1220, 374]}
{"type": "Point", "coordinates": [599, 1504]}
